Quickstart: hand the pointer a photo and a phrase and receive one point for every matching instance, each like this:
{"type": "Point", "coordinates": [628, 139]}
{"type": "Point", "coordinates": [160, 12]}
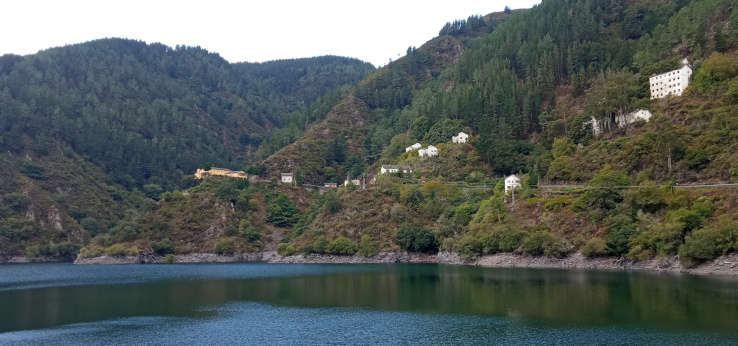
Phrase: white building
{"type": "Point", "coordinates": [413, 147]}
{"type": "Point", "coordinates": [287, 178]}
{"type": "Point", "coordinates": [429, 151]}
{"type": "Point", "coordinates": [354, 182]}
{"type": "Point", "coordinates": [461, 138]}
{"type": "Point", "coordinates": [600, 126]}
{"type": "Point", "coordinates": [672, 82]}
{"type": "Point", "coordinates": [512, 182]}
{"type": "Point", "coordinates": [630, 118]}
{"type": "Point", "coordinates": [597, 125]}
{"type": "Point", "coordinates": [395, 169]}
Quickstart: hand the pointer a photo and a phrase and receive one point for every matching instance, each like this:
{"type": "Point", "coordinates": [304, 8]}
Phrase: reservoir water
{"type": "Point", "coordinates": [257, 303]}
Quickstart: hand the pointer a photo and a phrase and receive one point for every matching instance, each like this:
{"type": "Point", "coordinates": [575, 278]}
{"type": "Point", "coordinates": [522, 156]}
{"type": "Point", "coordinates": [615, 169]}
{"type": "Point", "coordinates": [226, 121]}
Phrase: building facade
{"type": "Point", "coordinates": [460, 138]}
{"type": "Point", "coordinates": [224, 172]}
{"type": "Point", "coordinates": [671, 83]}
{"type": "Point", "coordinates": [512, 182]}
{"type": "Point", "coordinates": [287, 178]}
{"type": "Point", "coordinates": [413, 147]}
{"type": "Point", "coordinates": [429, 151]}
{"type": "Point", "coordinates": [395, 169]}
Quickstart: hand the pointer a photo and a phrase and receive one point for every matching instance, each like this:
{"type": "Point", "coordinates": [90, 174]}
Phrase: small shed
{"type": "Point", "coordinates": [287, 178]}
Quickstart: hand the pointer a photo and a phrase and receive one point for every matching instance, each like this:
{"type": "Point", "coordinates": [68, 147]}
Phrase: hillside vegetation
{"type": "Point", "coordinates": [90, 131]}
{"type": "Point", "coordinates": [526, 86]}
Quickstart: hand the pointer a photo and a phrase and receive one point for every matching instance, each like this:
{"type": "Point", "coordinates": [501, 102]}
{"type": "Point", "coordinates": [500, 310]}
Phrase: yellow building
{"type": "Point", "coordinates": [202, 174]}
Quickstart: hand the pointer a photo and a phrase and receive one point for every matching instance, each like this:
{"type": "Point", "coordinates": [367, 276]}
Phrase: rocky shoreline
{"type": "Point", "coordinates": [724, 265]}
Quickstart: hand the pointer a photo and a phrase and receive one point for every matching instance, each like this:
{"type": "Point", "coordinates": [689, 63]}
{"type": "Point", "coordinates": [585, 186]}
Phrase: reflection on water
{"type": "Point", "coordinates": [551, 298]}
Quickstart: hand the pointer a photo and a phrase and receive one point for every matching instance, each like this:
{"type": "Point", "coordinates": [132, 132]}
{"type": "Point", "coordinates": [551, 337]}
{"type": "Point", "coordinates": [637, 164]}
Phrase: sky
{"type": "Point", "coordinates": [247, 30]}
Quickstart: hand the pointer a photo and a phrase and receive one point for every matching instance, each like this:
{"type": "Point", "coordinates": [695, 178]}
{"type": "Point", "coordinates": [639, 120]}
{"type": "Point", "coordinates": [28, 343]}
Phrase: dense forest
{"type": "Point", "coordinates": [102, 122]}
{"type": "Point", "coordinates": [148, 113]}
{"type": "Point", "coordinates": [525, 84]}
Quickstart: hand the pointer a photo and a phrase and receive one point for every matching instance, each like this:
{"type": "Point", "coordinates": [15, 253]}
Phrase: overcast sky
{"type": "Point", "coordinates": [247, 30]}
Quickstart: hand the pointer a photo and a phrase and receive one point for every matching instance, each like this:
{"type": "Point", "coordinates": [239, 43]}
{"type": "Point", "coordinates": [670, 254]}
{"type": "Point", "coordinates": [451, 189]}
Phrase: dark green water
{"type": "Point", "coordinates": [250, 303]}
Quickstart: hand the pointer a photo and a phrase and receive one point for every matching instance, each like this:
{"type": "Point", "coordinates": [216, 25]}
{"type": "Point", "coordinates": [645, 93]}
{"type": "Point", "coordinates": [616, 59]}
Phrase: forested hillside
{"type": "Point", "coordinates": [147, 113]}
{"type": "Point", "coordinates": [90, 130]}
{"type": "Point", "coordinates": [526, 85]}
{"type": "Point", "coordinates": [526, 89]}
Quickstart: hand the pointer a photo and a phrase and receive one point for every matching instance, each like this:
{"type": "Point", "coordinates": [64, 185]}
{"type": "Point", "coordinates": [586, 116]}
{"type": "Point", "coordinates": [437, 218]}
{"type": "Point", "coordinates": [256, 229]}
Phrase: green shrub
{"type": "Point", "coordinates": [469, 246]}
{"type": "Point", "coordinates": [367, 246]}
{"type": "Point", "coordinates": [508, 237]}
{"type": "Point", "coordinates": [594, 247]}
{"type": "Point", "coordinates": [534, 244]}
{"type": "Point", "coordinates": [697, 158]}
{"type": "Point", "coordinates": [281, 212]}
{"type": "Point", "coordinates": [416, 239]}
{"type": "Point", "coordinates": [332, 202]}
{"type": "Point", "coordinates": [342, 246]}
{"type": "Point", "coordinates": [708, 243]}
{"type": "Point", "coordinates": [606, 190]}
{"type": "Point", "coordinates": [698, 247]}
{"type": "Point", "coordinates": [15, 201]}
{"type": "Point", "coordinates": [320, 245]}
{"type": "Point", "coordinates": [463, 213]}
{"type": "Point", "coordinates": [543, 243]}
{"type": "Point", "coordinates": [223, 246]}
{"type": "Point", "coordinates": [658, 240]}
{"type": "Point", "coordinates": [116, 250]}
{"type": "Point", "coordinates": [285, 249]}
{"type": "Point", "coordinates": [33, 170]}
{"type": "Point", "coordinates": [32, 251]}
{"type": "Point", "coordinates": [715, 69]}
{"type": "Point", "coordinates": [557, 203]}
{"type": "Point", "coordinates": [249, 232]}
{"type": "Point", "coordinates": [170, 258]}
{"type": "Point", "coordinates": [307, 249]}
{"type": "Point", "coordinates": [88, 252]}
{"type": "Point", "coordinates": [65, 249]}
{"type": "Point", "coordinates": [619, 231]}
{"type": "Point", "coordinates": [253, 204]}
{"type": "Point", "coordinates": [91, 225]}
{"type": "Point", "coordinates": [163, 247]}
{"type": "Point", "coordinates": [649, 197]}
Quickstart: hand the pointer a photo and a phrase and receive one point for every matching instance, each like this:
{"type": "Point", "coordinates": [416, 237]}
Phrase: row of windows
{"type": "Point", "coordinates": [666, 75]}
{"type": "Point", "coordinates": [677, 93]}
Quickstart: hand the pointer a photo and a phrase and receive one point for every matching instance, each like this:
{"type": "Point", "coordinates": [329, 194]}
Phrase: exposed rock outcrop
{"type": "Point", "coordinates": [725, 265]}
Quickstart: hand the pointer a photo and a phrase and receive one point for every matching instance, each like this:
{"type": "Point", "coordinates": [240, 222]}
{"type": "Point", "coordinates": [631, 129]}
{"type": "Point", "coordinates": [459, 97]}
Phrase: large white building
{"type": "Point", "coordinates": [672, 82]}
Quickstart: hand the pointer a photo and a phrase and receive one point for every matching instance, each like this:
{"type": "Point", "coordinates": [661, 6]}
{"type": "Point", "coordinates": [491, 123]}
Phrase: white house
{"type": "Point", "coordinates": [413, 147]}
{"type": "Point", "coordinates": [461, 138]}
{"type": "Point", "coordinates": [629, 118]}
{"type": "Point", "coordinates": [512, 182]}
{"type": "Point", "coordinates": [354, 182]}
{"type": "Point", "coordinates": [395, 169]}
{"type": "Point", "coordinates": [287, 178]}
{"type": "Point", "coordinates": [672, 82]}
{"type": "Point", "coordinates": [599, 126]}
{"type": "Point", "coordinates": [429, 151]}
